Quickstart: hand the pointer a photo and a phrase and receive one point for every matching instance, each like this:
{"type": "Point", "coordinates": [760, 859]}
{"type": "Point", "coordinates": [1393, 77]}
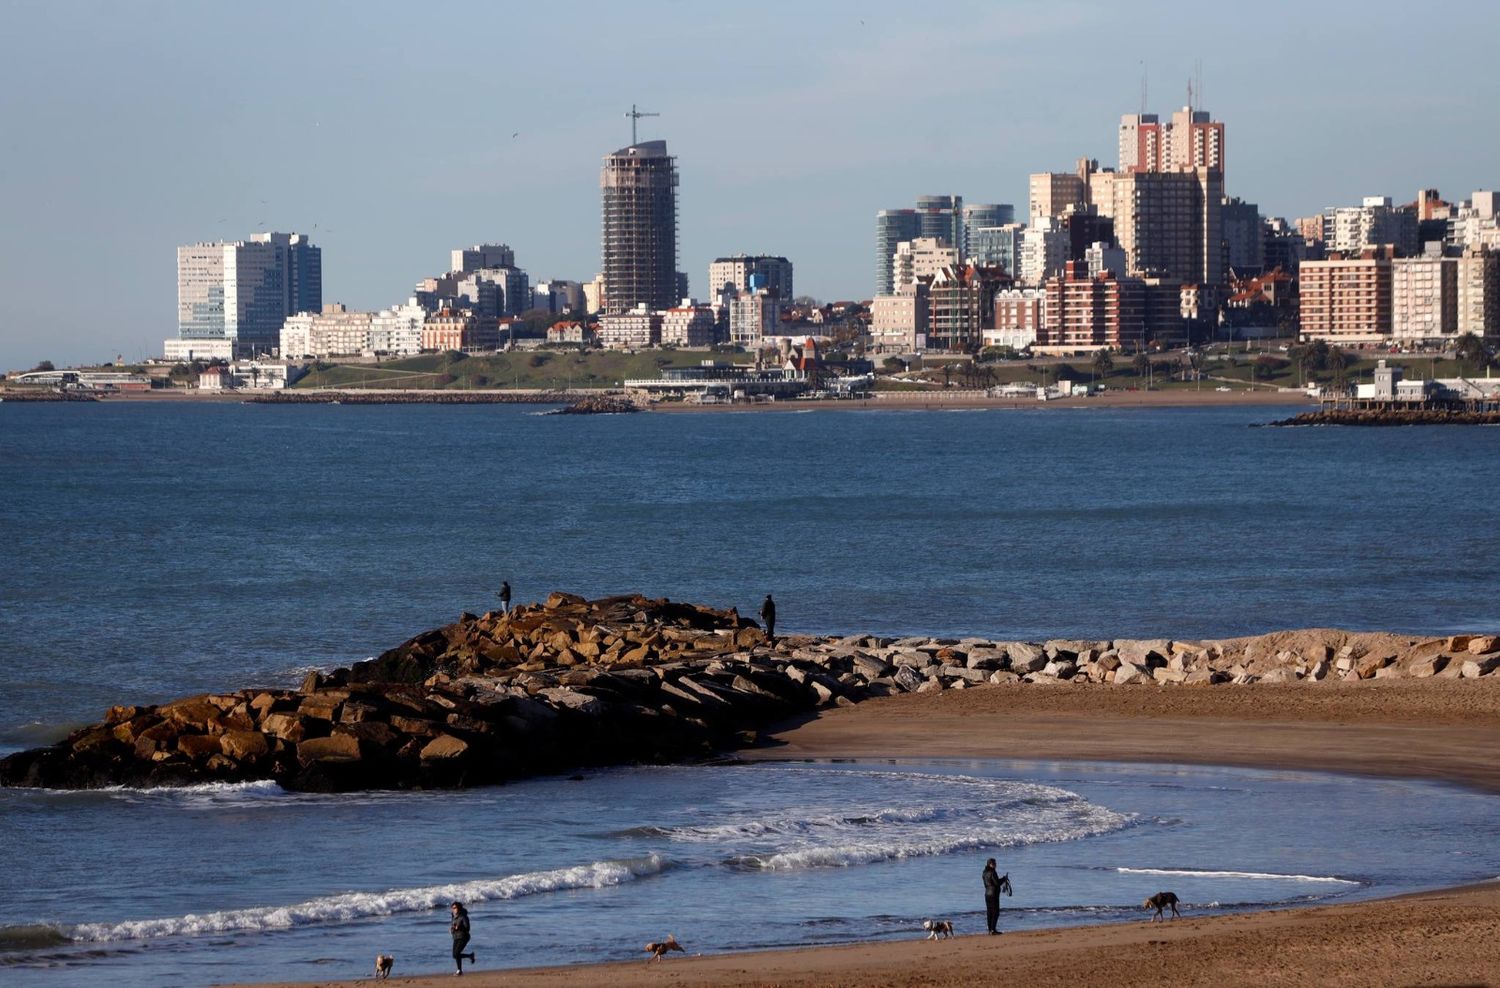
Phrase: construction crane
{"type": "Point", "coordinates": [635, 115]}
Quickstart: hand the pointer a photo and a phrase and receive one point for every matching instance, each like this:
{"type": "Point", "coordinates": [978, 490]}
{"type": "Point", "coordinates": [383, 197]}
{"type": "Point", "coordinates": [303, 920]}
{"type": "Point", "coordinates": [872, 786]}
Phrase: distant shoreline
{"type": "Point", "coordinates": [905, 401]}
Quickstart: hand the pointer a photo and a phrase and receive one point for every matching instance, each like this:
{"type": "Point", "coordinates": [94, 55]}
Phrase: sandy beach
{"type": "Point", "coordinates": [1442, 730]}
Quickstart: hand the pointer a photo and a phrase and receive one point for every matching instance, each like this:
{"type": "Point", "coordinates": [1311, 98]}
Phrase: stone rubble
{"type": "Point", "coordinates": [572, 683]}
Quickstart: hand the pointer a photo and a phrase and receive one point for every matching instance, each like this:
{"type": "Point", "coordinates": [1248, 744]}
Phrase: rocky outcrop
{"type": "Point", "coordinates": [598, 405]}
{"type": "Point", "coordinates": [1425, 415]}
{"type": "Point", "coordinates": [570, 683]}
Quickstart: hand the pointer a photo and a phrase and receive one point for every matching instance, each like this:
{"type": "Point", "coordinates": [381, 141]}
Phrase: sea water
{"type": "Point", "coordinates": [221, 883]}
{"type": "Point", "coordinates": [151, 551]}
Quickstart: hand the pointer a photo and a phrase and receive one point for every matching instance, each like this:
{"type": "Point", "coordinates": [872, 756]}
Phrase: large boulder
{"type": "Point", "coordinates": [244, 746]}
{"type": "Point", "coordinates": [444, 747]}
{"type": "Point", "coordinates": [334, 748]}
{"type": "Point", "coordinates": [1484, 644]}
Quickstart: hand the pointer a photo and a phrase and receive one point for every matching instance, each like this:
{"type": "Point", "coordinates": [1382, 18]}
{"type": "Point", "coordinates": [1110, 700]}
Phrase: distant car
{"type": "Point", "coordinates": [1223, 388]}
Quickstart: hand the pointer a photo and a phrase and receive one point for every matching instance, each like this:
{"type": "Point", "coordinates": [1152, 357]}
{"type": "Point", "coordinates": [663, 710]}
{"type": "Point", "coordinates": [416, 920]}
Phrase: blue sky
{"type": "Point", "coordinates": [129, 128]}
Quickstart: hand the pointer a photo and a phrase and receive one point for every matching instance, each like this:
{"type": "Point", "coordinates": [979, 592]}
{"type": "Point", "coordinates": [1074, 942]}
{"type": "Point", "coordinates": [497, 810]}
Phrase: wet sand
{"type": "Point", "coordinates": [1444, 730]}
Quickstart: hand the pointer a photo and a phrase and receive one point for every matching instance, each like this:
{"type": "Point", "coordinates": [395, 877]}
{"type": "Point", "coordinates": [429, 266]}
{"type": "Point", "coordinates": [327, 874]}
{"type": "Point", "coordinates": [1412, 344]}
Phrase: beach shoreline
{"type": "Point", "coordinates": [1433, 730]}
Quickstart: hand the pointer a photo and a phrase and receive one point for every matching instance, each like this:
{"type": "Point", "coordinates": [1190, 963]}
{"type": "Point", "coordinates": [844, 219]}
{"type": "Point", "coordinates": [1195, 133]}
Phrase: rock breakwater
{"type": "Point", "coordinates": [1394, 416]}
{"type": "Point", "coordinates": [571, 683]}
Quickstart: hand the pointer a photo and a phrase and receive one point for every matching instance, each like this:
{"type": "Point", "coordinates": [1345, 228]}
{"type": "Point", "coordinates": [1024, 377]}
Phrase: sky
{"type": "Point", "coordinates": [393, 133]}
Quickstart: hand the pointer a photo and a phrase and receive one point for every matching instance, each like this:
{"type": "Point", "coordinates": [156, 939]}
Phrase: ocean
{"type": "Point", "coordinates": [151, 551]}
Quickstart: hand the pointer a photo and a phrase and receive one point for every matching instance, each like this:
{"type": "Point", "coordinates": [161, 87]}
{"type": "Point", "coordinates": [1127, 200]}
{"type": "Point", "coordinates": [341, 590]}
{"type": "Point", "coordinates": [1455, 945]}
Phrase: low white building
{"type": "Point", "coordinates": [187, 351]}
{"type": "Point", "coordinates": [898, 322]}
{"type": "Point", "coordinates": [334, 331]}
{"type": "Point", "coordinates": [689, 325]}
{"type": "Point", "coordinates": [397, 329]}
{"type": "Point", "coordinates": [752, 318]}
{"type": "Point", "coordinates": [637, 329]}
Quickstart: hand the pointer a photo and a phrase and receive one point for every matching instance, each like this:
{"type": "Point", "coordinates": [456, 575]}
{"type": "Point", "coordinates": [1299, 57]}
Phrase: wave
{"type": "Point", "coordinates": [351, 906]}
{"type": "Point", "coordinates": [31, 937]}
{"type": "Point", "coordinates": [940, 814]}
{"type": "Point", "coordinates": [1258, 875]}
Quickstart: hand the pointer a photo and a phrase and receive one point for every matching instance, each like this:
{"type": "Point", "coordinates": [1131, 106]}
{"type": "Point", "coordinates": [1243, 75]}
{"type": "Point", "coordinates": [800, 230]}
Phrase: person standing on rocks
{"type": "Point", "coordinates": [993, 883]}
{"type": "Point", "coordinates": [768, 615]}
{"type": "Point", "coordinates": [504, 596]}
{"type": "Point", "coordinates": [460, 930]}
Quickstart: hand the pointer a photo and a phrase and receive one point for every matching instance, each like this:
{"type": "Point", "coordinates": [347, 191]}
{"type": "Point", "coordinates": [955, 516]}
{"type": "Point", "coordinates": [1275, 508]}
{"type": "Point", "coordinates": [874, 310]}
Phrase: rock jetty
{"type": "Point", "coordinates": [598, 405]}
{"type": "Point", "coordinates": [1395, 416]}
{"type": "Point", "coordinates": [572, 683]}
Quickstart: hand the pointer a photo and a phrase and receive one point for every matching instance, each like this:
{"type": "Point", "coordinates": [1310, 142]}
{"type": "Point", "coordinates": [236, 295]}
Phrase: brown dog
{"type": "Point", "coordinates": [383, 965]}
{"type": "Point", "coordinates": [658, 950]}
{"type": "Point", "coordinates": [1160, 901]}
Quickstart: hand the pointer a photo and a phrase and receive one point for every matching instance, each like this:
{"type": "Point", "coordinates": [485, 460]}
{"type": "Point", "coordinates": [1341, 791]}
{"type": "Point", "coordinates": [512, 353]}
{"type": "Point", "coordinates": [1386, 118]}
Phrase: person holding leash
{"type": "Point", "coordinates": [993, 884]}
{"type": "Point", "coordinates": [460, 930]}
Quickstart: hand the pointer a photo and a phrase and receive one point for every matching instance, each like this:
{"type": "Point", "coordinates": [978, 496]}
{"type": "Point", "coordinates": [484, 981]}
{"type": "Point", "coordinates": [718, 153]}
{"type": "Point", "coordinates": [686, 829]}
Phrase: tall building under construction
{"type": "Point", "coordinates": [639, 186]}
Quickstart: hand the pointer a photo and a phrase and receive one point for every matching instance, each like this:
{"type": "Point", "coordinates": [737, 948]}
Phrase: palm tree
{"type": "Point", "coordinates": [1141, 363]}
{"type": "Point", "coordinates": [1471, 350]}
{"type": "Point", "coordinates": [1103, 363]}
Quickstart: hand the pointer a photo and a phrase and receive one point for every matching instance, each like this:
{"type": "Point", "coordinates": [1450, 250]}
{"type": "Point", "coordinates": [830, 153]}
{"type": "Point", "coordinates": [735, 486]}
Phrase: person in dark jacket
{"type": "Point", "coordinates": [504, 596]}
{"type": "Point", "coordinates": [992, 886]}
{"type": "Point", "coordinates": [460, 930]}
{"type": "Point", "coordinates": [768, 615]}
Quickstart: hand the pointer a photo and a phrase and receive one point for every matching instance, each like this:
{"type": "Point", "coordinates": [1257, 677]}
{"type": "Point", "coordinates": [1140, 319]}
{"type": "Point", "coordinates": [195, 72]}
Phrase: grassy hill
{"type": "Point", "coordinates": [522, 369]}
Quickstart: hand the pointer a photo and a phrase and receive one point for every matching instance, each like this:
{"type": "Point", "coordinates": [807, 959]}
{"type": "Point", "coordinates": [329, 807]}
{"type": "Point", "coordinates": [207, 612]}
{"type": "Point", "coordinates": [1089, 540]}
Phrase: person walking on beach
{"type": "Point", "coordinates": [768, 615]}
{"type": "Point", "coordinates": [992, 885]}
{"type": "Point", "coordinates": [504, 596]}
{"type": "Point", "coordinates": [460, 930]}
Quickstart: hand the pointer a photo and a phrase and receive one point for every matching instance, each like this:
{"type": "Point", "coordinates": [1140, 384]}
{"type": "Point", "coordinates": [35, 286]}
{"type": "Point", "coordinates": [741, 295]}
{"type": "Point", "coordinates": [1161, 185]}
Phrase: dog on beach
{"type": "Point", "coordinates": [660, 949]}
{"type": "Point", "coordinates": [383, 965]}
{"type": "Point", "coordinates": [1161, 901]}
{"type": "Point", "coordinates": [938, 929]}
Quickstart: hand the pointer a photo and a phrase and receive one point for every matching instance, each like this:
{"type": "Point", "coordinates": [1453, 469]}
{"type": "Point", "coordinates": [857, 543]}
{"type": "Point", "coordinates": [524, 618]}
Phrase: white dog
{"type": "Point", "coordinates": [938, 928]}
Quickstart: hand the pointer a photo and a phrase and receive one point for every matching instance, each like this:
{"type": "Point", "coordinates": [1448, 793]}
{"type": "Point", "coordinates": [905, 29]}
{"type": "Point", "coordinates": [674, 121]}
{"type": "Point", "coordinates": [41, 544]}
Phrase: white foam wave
{"type": "Point", "coordinates": [1258, 875]}
{"type": "Point", "coordinates": [360, 905]}
{"type": "Point", "coordinates": [918, 815]}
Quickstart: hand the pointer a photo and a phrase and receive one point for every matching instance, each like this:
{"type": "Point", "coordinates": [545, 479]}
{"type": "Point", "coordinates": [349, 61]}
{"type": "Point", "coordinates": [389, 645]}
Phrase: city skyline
{"type": "Point", "coordinates": [381, 162]}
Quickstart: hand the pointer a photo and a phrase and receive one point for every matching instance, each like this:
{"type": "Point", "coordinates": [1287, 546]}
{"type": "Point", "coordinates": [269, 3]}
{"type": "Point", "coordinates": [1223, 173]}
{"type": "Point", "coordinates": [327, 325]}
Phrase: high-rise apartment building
{"type": "Point", "coordinates": [1244, 240]}
{"type": "Point", "coordinates": [997, 246]}
{"type": "Point", "coordinates": [1054, 193]}
{"type": "Point", "coordinates": [639, 189]}
{"type": "Point", "coordinates": [480, 256]}
{"type": "Point", "coordinates": [1169, 223]}
{"type": "Point", "coordinates": [961, 305]}
{"type": "Point", "coordinates": [1044, 251]}
{"type": "Point", "coordinates": [982, 216]}
{"type": "Point", "coordinates": [892, 227]}
{"type": "Point", "coordinates": [1373, 223]}
{"type": "Point", "coordinates": [937, 217]}
{"type": "Point", "coordinates": [774, 274]}
{"type": "Point", "coordinates": [1191, 139]}
{"type": "Point", "coordinates": [243, 291]}
{"type": "Point", "coordinates": [1478, 293]}
{"type": "Point", "coordinates": [1084, 314]}
{"type": "Point", "coordinates": [1424, 298]}
{"type": "Point", "coordinates": [1347, 299]}
{"type": "Point", "coordinates": [920, 260]}
{"type": "Point", "coordinates": [752, 318]}
{"type": "Point", "coordinates": [942, 217]}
